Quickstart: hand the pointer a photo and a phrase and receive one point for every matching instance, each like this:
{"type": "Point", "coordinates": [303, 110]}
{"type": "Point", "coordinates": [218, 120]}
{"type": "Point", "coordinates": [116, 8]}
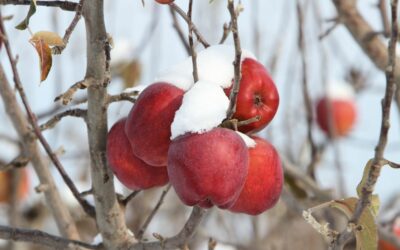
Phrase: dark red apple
{"type": "Point", "coordinates": [130, 170]}
{"type": "Point", "coordinates": [208, 169]}
{"type": "Point", "coordinates": [341, 112]}
{"type": "Point", "coordinates": [148, 126]}
{"type": "Point", "coordinates": [257, 96]}
{"type": "Point", "coordinates": [264, 181]}
{"type": "Point", "coordinates": [164, 1]}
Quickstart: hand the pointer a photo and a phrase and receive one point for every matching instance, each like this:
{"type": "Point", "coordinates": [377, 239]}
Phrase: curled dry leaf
{"type": "Point", "coordinates": [25, 23]}
{"type": "Point", "coordinates": [44, 52]}
{"type": "Point", "coordinates": [51, 38]}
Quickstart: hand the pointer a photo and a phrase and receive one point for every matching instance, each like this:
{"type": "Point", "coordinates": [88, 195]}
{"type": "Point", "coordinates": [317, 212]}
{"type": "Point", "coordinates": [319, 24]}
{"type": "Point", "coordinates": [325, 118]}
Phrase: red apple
{"type": "Point", "coordinates": [257, 96]}
{"type": "Point", "coordinates": [341, 112]}
{"type": "Point", "coordinates": [130, 170]}
{"type": "Point", "coordinates": [264, 181]}
{"type": "Point", "coordinates": [164, 1]}
{"type": "Point", "coordinates": [384, 245]}
{"type": "Point", "coordinates": [208, 169]}
{"type": "Point", "coordinates": [148, 126]}
{"type": "Point", "coordinates": [5, 185]}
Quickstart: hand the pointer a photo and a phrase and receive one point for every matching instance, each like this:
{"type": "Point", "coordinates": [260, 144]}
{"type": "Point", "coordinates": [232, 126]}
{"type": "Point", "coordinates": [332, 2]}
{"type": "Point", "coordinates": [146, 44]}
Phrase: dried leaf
{"type": "Point", "coordinates": [366, 233]}
{"type": "Point", "coordinates": [130, 72]}
{"type": "Point", "coordinates": [25, 23]}
{"type": "Point", "coordinates": [51, 38]}
{"type": "Point", "coordinates": [44, 52]}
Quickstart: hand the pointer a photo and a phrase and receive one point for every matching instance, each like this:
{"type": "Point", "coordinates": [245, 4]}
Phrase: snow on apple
{"type": "Point", "coordinates": [203, 108]}
{"type": "Point", "coordinates": [339, 90]}
{"type": "Point", "coordinates": [214, 65]}
{"type": "Point", "coordinates": [250, 143]}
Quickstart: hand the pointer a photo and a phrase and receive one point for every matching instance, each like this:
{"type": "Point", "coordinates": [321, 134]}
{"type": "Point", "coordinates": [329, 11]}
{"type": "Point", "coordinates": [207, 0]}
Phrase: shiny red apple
{"type": "Point", "coordinates": [148, 126]}
{"type": "Point", "coordinates": [208, 169]}
{"type": "Point", "coordinates": [130, 170]}
{"type": "Point", "coordinates": [264, 180]}
{"type": "Point", "coordinates": [258, 96]}
{"type": "Point", "coordinates": [341, 113]}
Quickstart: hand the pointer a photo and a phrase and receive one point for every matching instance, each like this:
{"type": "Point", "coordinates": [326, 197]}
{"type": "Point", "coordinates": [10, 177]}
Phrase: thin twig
{"type": "Point", "coordinates": [33, 120]}
{"type": "Point", "coordinates": [140, 233]}
{"type": "Point", "coordinates": [41, 238]}
{"type": "Point", "coordinates": [64, 5]}
{"type": "Point", "coordinates": [70, 29]}
{"type": "Point", "coordinates": [66, 97]}
{"type": "Point", "coordinates": [384, 17]}
{"type": "Point", "coordinates": [191, 46]}
{"type": "Point", "coordinates": [126, 200]}
{"type": "Point", "coordinates": [186, 18]}
{"type": "Point", "coordinates": [179, 30]}
{"type": "Point", "coordinates": [19, 162]}
{"type": "Point", "coordinates": [238, 54]}
{"type": "Point", "coordinates": [368, 187]}
{"type": "Point", "coordinates": [55, 119]}
{"type": "Point", "coordinates": [227, 28]}
{"type": "Point", "coordinates": [305, 90]}
{"type": "Point", "coordinates": [125, 96]}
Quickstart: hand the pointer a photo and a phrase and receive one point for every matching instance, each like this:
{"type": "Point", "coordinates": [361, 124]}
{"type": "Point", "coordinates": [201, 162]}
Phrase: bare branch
{"type": "Point", "coordinates": [125, 96]}
{"type": "Point", "coordinates": [66, 97]}
{"type": "Point", "coordinates": [191, 46]}
{"type": "Point", "coordinates": [368, 187]}
{"type": "Point", "coordinates": [125, 201]}
{"type": "Point", "coordinates": [41, 238]}
{"type": "Point", "coordinates": [178, 240]}
{"type": "Point", "coordinates": [64, 5]}
{"type": "Point", "coordinates": [19, 162]}
{"type": "Point", "coordinates": [110, 220]}
{"type": "Point", "coordinates": [55, 119]}
{"type": "Point", "coordinates": [70, 29]}
{"type": "Point", "coordinates": [179, 30]}
{"type": "Point", "coordinates": [186, 18]}
{"type": "Point", "coordinates": [140, 234]}
{"type": "Point", "coordinates": [238, 54]}
{"type": "Point", "coordinates": [227, 28]}
{"type": "Point", "coordinates": [384, 17]}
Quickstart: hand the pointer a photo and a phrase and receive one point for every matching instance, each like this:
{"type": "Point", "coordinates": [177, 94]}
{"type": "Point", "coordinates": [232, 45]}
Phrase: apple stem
{"type": "Point", "coordinates": [249, 121]}
{"type": "Point", "coordinates": [238, 54]}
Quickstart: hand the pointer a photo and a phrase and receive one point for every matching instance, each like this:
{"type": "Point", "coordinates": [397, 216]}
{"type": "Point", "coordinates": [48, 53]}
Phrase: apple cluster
{"type": "Point", "coordinates": [175, 133]}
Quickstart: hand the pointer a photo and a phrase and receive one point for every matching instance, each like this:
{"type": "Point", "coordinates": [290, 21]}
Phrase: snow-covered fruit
{"type": "Point", "coordinates": [336, 115]}
{"type": "Point", "coordinates": [6, 185]}
{"type": "Point", "coordinates": [129, 169]}
{"type": "Point", "coordinates": [148, 126]}
{"type": "Point", "coordinates": [258, 96]}
{"type": "Point", "coordinates": [209, 168]}
{"type": "Point", "coordinates": [263, 182]}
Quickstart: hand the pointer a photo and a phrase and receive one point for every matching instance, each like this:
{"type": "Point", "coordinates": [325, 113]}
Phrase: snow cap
{"type": "Point", "coordinates": [203, 108]}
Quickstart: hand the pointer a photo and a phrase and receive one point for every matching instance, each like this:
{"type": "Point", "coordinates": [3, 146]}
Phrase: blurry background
{"type": "Point", "coordinates": [146, 43]}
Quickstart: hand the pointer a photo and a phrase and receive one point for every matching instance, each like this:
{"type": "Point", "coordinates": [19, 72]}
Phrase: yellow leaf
{"type": "Point", "coordinates": [51, 38]}
{"type": "Point", "coordinates": [44, 52]}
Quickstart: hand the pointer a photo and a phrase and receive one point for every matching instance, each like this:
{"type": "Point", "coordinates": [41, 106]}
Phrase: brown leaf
{"type": "Point", "coordinates": [44, 52]}
{"type": "Point", "coordinates": [51, 38]}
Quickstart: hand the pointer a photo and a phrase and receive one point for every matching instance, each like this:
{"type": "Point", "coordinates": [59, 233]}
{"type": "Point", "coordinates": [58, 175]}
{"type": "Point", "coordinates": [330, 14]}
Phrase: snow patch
{"type": "Point", "coordinates": [203, 108]}
{"type": "Point", "coordinates": [214, 64]}
{"type": "Point", "coordinates": [138, 88]}
{"type": "Point", "coordinates": [339, 90]}
{"type": "Point", "coordinates": [250, 143]}
{"type": "Point", "coordinates": [97, 239]}
{"type": "Point", "coordinates": [122, 51]}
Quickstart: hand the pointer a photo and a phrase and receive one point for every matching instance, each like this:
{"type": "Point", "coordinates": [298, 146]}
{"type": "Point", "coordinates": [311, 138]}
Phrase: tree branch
{"type": "Point", "coordinates": [41, 238]}
{"type": "Point", "coordinates": [238, 54]}
{"type": "Point", "coordinates": [110, 220]}
{"type": "Point", "coordinates": [55, 119]}
{"type": "Point", "coordinates": [64, 5]}
{"type": "Point", "coordinates": [368, 187]}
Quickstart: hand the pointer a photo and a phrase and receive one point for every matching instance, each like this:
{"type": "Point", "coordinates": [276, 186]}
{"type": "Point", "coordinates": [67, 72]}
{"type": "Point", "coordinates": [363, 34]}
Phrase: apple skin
{"type": "Point", "coordinates": [130, 170]}
{"type": "Point", "coordinates": [148, 126]}
{"type": "Point", "coordinates": [5, 185]}
{"type": "Point", "coordinates": [208, 169]}
{"type": "Point", "coordinates": [258, 96]}
{"type": "Point", "coordinates": [384, 245]}
{"type": "Point", "coordinates": [344, 114]}
{"type": "Point", "coordinates": [264, 180]}
{"type": "Point", "coordinates": [164, 1]}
